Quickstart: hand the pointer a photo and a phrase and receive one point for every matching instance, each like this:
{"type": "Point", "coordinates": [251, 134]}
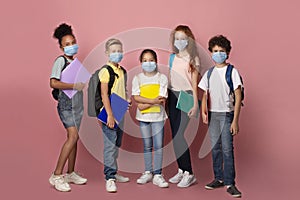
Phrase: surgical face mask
{"type": "Point", "coordinates": [219, 57]}
{"type": "Point", "coordinates": [71, 50]}
{"type": "Point", "coordinates": [149, 66]}
{"type": "Point", "coordinates": [180, 44]}
{"type": "Point", "coordinates": [116, 57]}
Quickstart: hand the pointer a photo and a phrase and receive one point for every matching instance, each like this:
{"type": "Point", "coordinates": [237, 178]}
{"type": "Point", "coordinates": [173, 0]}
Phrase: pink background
{"type": "Point", "coordinates": [265, 39]}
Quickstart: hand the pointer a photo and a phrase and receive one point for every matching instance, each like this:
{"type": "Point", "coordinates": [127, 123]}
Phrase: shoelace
{"type": "Point", "coordinates": [216, 182]}
{"type": "Point", "coordinates": [233, 189]}
{"type": "Point", "coordinates": [76, 174]}
{"type": "Point", "coordinates": [110, 183]}
{"type": "Point", "coordinates": [186, 178]}
{"type": "Point", "coordinates": [161, 178]}
{"type": "Point", "coordinates": [178, 175]}
{"type": "Point", "coordinates": [60, 180]}
{"type": "Point", "coordinates": [144, 176]}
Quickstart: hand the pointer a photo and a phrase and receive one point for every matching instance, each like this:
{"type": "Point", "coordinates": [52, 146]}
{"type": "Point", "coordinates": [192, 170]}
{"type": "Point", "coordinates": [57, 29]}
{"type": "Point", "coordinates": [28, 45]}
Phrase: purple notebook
{"type": "Point", "coordinates": [75, 72]}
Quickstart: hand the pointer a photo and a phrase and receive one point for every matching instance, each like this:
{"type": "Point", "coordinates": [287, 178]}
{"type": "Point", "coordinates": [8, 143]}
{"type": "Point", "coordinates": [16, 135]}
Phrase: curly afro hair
{"type": "Point", "coordinates": [220, 41]}
{"type": "Point", "coordinates": [61, 31]}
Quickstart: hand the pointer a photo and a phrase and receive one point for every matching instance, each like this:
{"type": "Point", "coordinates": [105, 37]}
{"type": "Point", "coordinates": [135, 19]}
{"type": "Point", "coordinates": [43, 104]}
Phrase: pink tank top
{"type": "Point", "coordinates": [181, 78]}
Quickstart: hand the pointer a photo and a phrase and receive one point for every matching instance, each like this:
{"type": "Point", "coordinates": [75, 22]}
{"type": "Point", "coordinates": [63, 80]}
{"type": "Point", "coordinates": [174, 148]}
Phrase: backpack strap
{"type": "Point", "coordinates": [55, 92]}
{"type": "Point", "coordinates": [66, 62]}
{"type": "Point", "coordinates": [112, 76]}
{"type": "Point", "coordinates": [209, 74]}
{"type": "Point", "coordinates": [125, 75]}
{"type": "Point", "coordinates": [229, 78]}
{"type": "Point", "coordinates": [171, 59]}
{"type": "Point", "coordinates": [230, 83]}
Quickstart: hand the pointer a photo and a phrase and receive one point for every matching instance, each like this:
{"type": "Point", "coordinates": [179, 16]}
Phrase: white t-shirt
{"type": "Point", "coordinates": [220, 100]}
{"type": "Point", "coordinates": [158, 78]}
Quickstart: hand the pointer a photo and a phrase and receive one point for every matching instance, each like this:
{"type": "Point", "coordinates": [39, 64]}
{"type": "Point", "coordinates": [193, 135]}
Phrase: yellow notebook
{"type": "Point", "coordinates": [150, 91]}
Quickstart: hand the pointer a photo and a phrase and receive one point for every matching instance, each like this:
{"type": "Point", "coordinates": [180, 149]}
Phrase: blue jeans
{"type": "Point", "coordinates": [222, 143]}
{"type": "Point", "coordinates": [112, 139]}
{"type": "Point", "coordinates": [153, 136]}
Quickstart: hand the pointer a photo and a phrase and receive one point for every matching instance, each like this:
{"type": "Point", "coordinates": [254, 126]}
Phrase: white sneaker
{"type": "Point", "coordinates": [159, 180]}
{"type": "Point", "coordinates": [59, 183]}
{"type": "Point", "coordinates": [75, 178]}
{"type": "Point", "coordinates": [177, 178]}
{"type": "Point", "coordinates": [186, 180]}
{"type": "Point", "coordinates": [145, 178]}
{"type": "Point", "coordinates": [111, 185]}
{"type": "Point", "coordinates": [121, 179]}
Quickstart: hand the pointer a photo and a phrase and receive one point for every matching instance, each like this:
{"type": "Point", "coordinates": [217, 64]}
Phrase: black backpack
{"type": "Point", "coordinates": [94, 90]}
{"type": "Point", "coordinates": [55, 92]}
{"type": "Point", "coordinates": [228, 77]}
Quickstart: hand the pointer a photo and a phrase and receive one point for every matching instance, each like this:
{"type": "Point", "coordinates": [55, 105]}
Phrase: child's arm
{"type": "Point", "coordinates": [144, 103]}
{"type": "Point", "coordinates": [128, 98]}
{"type": "Point", "coordinates": [54, 83]}
{"type": "Point", "coordinates": [163, 89]}
{"type": "Point", "coordinates": [136, 93]}
{"type": "Point", "coordinates": [194, 110]}
{"type": "Point", "coordinates": [107, 106]}
{"type": "Point", "coordinates": [143, 106]}
{"type": "Point", "coordinates": [204, 108]}
{"type": "Point", "coordinates": [234, 128]}
{"type": "Point", "coordinates": [144, 100]}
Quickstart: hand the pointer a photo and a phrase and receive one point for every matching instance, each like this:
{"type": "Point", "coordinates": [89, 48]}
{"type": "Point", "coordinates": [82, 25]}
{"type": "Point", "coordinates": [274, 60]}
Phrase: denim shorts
{"type": "Point", "coordinates": [70, 110]}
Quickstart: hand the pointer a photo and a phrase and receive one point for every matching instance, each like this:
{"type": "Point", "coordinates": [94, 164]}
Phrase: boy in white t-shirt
{"type": "Point", "coordinates": [220, 110]}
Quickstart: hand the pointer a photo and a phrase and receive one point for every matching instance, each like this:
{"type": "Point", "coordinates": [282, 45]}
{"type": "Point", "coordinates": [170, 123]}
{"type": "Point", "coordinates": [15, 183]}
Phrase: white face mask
{"type": "Point", "coordinates": [219, 57]}
{"type": "Point", "coordinates": [116, 57]}
{"type": "Point", "coordinates": [180, 44]}
{"type": "Point", "coordinates": [149, 66]}
{"type": "Point", "coordinates": [71, 50]}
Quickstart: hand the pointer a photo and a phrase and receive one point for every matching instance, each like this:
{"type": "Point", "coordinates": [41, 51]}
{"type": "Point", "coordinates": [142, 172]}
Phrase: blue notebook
{"type": "Point", "coordinates": [119, 107]}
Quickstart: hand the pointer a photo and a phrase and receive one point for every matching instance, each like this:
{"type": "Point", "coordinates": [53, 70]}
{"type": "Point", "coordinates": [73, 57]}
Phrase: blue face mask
{"type": "Point", "coordinates": [71, 50]}
{"type": "Point", "coordinates": [149, 66]}
{"type": "Point", "coordinates": [116, 57]}
{"type": "Point", "coordinates": [180, 44]}
{"type": "Point", "coordinates": [219, 57]}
